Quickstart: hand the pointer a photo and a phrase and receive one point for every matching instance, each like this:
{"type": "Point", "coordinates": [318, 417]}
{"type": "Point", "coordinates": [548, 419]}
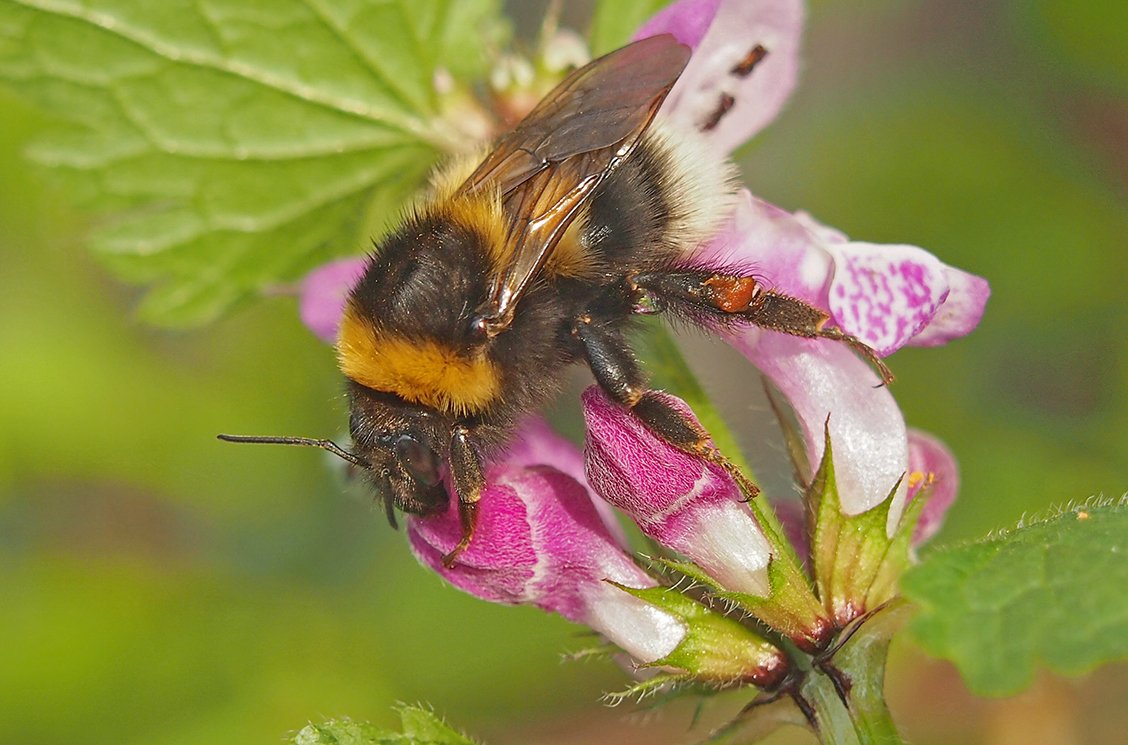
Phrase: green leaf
{"type": "Point", "coordinates": [233, 146]}
{"type": "Point", "coordinates": [424, 725]}
{"type": "Point", "coordinates": [342, 732]}
{"type": "Point", "coordinates": [420, 727]}
{"type": "Point", "coordinates": [1048, 592]}
{"type": "Point", "coordinates": [615, 21]}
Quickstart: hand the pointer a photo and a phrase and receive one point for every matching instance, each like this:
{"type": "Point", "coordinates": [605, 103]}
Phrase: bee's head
{"type": "Point", "coordinates": [402, 445]}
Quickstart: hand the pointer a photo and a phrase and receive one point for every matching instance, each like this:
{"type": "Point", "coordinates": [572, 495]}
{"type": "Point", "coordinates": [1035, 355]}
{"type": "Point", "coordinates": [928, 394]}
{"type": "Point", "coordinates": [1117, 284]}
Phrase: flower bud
{"type": "Point", "coordinates": [679, 500]}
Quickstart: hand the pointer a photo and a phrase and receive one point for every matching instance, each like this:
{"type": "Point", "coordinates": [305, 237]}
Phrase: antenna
{"type": "Point", "coordinates": [329, 445]}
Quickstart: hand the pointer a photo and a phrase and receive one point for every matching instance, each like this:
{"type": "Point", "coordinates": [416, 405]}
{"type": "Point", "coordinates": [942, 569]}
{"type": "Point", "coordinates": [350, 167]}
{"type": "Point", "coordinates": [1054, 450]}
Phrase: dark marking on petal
{"type": "Point", "coordinates": [724, 105]}
{"type": "Point", "coordinates": [744, 68]}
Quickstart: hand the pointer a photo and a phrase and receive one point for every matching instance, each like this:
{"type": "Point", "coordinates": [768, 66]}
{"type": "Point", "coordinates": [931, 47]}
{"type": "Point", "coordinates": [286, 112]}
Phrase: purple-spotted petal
{"type": "Point", "coordinates": [540, 541]}
{"type": "Point", "coordinates": [720, 75]}
{"type": "Point", "coordinates": [933, 467]}
{"type": "Point", "coordinates": [681, 501]}
{"type": "Point", "coordinates": [960, 313]}
{"type": "Point", "coordinates": [323, 295]}
{"type": "Point", "coordinates": [824, 379]}
{"type": "Point", "coordinates": [885, 295]}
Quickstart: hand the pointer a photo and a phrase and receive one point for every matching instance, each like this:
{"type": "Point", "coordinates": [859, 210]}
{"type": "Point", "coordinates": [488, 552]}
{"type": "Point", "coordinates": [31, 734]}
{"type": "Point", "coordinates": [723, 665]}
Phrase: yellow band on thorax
{"type": "Point", "coordinates": [424, 372]}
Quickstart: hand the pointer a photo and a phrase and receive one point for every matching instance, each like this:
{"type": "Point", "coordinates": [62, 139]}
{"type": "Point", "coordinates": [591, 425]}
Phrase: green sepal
{"type": "Point", "coordinates": [790, 609]}
{"type": "Point", "coordinates": [856, 563]}
{"type": "Point", "coordinates": [716, 650]}
{"type": "Point", "coordinates": [598, 652]}
{"type": "Point", "coordinates": [898, 555]}
{"type": "Point", "coordinates": [664, 682]}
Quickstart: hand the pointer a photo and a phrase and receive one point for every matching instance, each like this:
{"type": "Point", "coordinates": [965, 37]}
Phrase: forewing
{"type": "Point", "coordinates": [548, 166]}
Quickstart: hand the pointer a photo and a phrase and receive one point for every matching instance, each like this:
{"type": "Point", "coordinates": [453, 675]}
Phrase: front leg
{"type": "Point", "coordinates": [466, 472]}
{"type": "Point", "coordinates": [619, 375]}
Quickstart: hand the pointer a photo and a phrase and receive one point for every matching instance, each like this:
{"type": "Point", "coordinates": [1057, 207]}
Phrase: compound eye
{"type": "Point", "coordinates": [418, 460]}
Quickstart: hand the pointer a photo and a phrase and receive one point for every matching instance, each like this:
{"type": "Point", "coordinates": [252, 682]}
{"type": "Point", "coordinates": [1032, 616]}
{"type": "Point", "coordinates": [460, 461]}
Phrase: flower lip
{"type": "Point", "coordinates": [933, 471]}
{"type": "Point", "coordinates": [540, 541]}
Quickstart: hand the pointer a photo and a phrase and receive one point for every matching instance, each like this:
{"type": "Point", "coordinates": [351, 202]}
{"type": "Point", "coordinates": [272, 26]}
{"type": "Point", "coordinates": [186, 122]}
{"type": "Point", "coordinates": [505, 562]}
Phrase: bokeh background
{"type": "Point", "coordinates": [157, 586]}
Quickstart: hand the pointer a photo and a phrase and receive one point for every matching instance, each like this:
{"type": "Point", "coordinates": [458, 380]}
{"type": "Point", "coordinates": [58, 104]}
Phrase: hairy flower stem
{"type": "Point", "coordinates": [846, 694]}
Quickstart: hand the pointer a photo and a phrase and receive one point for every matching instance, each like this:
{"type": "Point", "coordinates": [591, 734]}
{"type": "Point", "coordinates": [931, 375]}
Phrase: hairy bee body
{"type": "Point", "coordinates": [536, 257]}
{"type": "Point", "coordinates": [424, 281]}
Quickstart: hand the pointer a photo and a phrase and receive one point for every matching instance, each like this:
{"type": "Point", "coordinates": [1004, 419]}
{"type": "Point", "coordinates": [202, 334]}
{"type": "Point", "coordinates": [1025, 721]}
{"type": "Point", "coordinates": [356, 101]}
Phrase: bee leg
{"type": "Point", "coordinates": [466, 471]}
{"type": "Point", "coordinates": [704, 296]}
{"type": "Point", "coordinates": [619, 375]}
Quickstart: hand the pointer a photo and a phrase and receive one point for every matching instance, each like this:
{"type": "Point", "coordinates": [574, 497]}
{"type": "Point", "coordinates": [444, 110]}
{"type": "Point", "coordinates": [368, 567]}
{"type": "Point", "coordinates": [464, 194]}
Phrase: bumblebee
{"type": "Point", "coordinates": [582, 217]}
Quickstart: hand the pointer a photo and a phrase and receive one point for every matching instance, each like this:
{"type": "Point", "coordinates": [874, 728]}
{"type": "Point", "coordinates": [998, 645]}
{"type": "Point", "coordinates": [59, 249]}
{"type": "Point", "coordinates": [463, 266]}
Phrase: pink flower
{"type": "Point", "coordinates": [887, 296]}
{"type": "Point", "coordinates": [933, 472]}
{"type": "Point", "coordinates": [540, 541]}
{"type": "Point", "coordinates": [323, 293]}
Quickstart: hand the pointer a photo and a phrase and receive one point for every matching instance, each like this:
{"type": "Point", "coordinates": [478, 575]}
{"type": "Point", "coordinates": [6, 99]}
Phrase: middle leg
{"type": "Point", "coordinates": [619, 375]}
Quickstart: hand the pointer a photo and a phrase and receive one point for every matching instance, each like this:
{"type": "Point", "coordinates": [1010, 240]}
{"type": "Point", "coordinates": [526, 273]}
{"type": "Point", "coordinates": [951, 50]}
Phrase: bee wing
{"type": "Point", "coordinates": [548, 166]}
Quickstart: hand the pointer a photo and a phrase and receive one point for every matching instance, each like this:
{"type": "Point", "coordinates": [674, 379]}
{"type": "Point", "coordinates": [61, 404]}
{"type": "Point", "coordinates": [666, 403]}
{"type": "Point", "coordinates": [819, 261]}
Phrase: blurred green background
{"type": "Point", "coordinates": [160, 587]}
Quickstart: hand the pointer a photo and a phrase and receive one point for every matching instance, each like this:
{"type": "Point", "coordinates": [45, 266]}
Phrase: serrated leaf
{"type": "Point", "coordinates": [1050, 592]}
{"type": "Point", "coordinates": [615, 21]}
{"type": "Point", "coordinates": [341, 732]}
{"type": "Point", "coordinates": [423, 725]}
{"type": "Point", "coordinates": [419, 726]}
{"type": "Point", "coordinates": [235, 145]}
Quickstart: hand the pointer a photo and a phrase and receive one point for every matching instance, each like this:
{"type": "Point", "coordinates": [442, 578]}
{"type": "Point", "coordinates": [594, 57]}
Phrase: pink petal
{"type": "Point", "coordinates": [536, 444]}
{"type": "Point", "coordinates": [885, 295]}
{"type": "Point", "coordinates": [681, 501]}
{"type": "Point", "coordinates": [687, 20]}
{"type": "Point", "coordinates": [824, 379]}
{"type": "Point", "coordinates": [960, 313]}
{"type": "Point", "coordinates": [933, 466]}
{"type": "Point", "coordinates": [777, 247]}
{"type": "Point", "coordinates": [541, 542]}
{"type": "Point", "coordinates": [736, 28]}
{"type": "Point", "coordinates": [323, 295]}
